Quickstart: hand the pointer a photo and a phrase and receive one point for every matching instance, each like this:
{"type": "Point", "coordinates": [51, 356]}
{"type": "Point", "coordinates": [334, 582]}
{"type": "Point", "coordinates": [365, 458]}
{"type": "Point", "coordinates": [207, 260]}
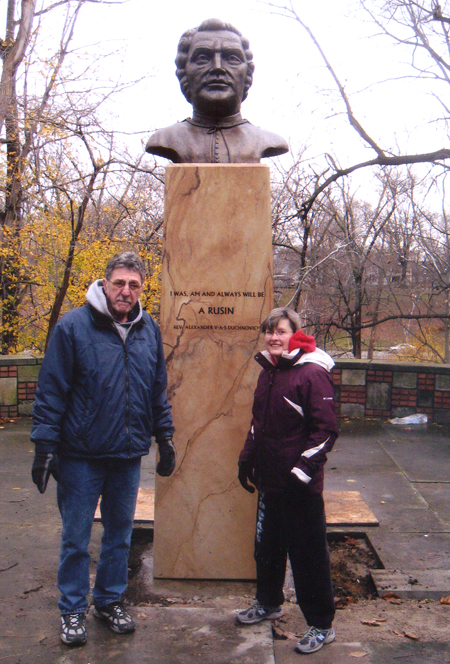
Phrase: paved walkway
{"type": "Point", "coordinates": [402, 473]}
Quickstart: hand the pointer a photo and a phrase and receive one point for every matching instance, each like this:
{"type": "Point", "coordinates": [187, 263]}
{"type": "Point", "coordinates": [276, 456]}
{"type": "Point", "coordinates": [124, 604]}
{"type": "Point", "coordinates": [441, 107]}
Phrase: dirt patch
{"type": "Point", "coordinates": [351, 560]}
{"type": "Point", "coordinates": [137, 591]}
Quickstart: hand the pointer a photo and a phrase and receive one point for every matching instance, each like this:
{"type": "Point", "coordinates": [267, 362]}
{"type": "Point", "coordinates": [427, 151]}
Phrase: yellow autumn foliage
{"type": "Point", "coordinates": [45, 244]}
{"type": "Point", "coordinates": [426, 345]}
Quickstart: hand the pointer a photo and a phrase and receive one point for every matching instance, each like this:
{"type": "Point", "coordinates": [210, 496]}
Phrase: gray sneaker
{"type": "Point", "coordinates": [315, 639]}
{"type": "Point", "coordinates": [73, 629]}
{"type": "Point", "coordinates": [257, 613]}
{"type": "Point", "coordinates": [117, 617]}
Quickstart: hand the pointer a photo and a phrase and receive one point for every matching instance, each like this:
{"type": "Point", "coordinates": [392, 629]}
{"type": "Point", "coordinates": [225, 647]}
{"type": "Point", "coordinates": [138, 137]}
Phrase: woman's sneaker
{"type": "Point", "coordinates": [73, 629]}
{"type": "Point", "coordinates": [315, 639]}
{"type": "Point", "coordinates": [118, 619]}
{"type": "Point", "coordinates": [257, 612]}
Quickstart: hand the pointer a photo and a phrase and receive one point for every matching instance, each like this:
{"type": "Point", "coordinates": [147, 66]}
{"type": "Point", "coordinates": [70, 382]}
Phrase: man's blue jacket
{"type": "Point", "coordinates": [98, 396]}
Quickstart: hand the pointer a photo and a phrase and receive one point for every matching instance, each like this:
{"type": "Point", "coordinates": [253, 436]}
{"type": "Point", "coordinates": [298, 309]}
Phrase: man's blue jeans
{"type": "Point", "coordinates": [81, 485]}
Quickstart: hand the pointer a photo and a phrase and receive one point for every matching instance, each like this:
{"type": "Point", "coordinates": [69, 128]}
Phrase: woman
{"type": "Point", "coordinates": [293, 428]}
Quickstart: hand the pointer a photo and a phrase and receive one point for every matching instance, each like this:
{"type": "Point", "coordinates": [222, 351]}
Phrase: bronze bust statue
{"type": "Point", "coordinates": [215, 69]}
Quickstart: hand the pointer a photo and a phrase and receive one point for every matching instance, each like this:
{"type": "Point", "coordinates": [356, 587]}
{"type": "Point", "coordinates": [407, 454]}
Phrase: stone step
{"type": "Point", "coordinates": [413, 584]}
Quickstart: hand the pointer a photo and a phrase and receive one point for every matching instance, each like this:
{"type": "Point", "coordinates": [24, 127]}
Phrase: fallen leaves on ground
{"type": "Point", "coordinates": [341, 603]}
{"type": "Point", "coordinates": [281, 634]}
{"type": "Point", "coordinates": [407, 635]}
{"type": "Point", "coordinates": [376, 622]}
{"type": "Point", "coordinates": [278, 634]}
{"type": "Point", "coordinates": [390, 595]}
{"type": "Point", "coordinates": [445, 600]}
{"type": "Point", "coordinates": [359, 653]}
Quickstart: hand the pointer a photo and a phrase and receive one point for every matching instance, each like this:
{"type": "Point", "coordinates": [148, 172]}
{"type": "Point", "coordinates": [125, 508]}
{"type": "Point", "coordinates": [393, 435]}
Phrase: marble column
{"type": "Point", "coordinates": [216, 289]}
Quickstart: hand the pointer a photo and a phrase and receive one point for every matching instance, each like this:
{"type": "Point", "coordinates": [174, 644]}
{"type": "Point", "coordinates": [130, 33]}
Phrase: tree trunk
{"type": "Point", "coordinates": [12, 51]}
{"type": "Point", "coordinates": [11, 225]}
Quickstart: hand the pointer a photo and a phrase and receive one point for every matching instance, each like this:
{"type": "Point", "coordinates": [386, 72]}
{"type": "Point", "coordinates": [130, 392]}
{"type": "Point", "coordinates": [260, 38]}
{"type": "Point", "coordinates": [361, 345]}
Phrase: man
{"type": "Point", "coordinates": [215, 69]}
{"type": "Point", "coordinates": [293, 428]}
{"type": "Point", "coordinates": [101, 395]}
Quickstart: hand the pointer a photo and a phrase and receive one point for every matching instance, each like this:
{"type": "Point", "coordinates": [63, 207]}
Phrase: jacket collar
{"type": "Point", "coordinates": [296, 357]}
{"type": "Point", "coordinates": [104, 320]}
{"type": "Point", "coordinates": [286, 361]}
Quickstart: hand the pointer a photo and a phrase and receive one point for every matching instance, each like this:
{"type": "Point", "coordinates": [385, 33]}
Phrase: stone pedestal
{"type": "Point", "coordinates": [216, 290]}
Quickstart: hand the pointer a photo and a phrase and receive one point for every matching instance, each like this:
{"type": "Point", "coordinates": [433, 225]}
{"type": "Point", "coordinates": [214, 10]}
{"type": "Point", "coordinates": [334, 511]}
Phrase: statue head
{"type": "Point", "coordinates": [215, 67]}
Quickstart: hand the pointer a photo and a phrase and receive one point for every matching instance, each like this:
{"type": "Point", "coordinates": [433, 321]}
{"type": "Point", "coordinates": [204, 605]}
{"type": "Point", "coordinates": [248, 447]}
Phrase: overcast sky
{"type": "Point", "coordinates": [292, 93]}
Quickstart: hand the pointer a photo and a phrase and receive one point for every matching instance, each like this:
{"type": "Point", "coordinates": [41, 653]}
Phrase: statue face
{"type": "Point", "coordinates": [216, 69]}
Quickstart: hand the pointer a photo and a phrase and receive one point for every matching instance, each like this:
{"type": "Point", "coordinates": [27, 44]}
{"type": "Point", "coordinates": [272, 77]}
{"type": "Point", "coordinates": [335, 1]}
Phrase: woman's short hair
{"type": "Point", "coordinates": [271, 321]}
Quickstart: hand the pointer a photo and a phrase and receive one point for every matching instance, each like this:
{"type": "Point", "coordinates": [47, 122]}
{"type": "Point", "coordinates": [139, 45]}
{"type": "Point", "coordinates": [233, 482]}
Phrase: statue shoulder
{"type": "Point", "coordinates": [168, 141]}
{"type": "Point", "coordinates": [270, 144]}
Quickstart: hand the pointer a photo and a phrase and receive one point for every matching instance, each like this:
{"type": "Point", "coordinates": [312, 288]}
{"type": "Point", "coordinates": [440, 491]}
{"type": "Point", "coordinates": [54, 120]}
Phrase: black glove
{"type": "Point", "coordinates": [245, 474]}
{"type": "Point", "coordinates": [44, 465]}
{"type": "Point", "coordinates": [167, 458]}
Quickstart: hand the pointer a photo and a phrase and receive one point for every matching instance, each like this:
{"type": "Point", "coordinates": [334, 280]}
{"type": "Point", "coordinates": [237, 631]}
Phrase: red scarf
{"type": "Point", "coordinates": [301, 340]}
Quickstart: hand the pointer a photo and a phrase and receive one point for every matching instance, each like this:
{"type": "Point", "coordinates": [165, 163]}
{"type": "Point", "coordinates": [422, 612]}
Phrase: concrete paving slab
{"type": "Point", "coordinates": [407, 450]}
{"type": "Point", "coordinates": [411, 550]}
{"type": "Point", "coordinates": [163, 636]}
{"type": "Point", "coordinates": [358, 453]}
{"type": "Point", "coordinates": [369, 653]}
{"type": "Point", "coordinates": [427, 652]}
{"type": "Point", "coordinates": [411, 520]}
{"type": "Point", "coordinates": [332, 653]}
{"type": "Point", "coordinates": [414, 584]}
{"type": "Point", "coordinates": [437, 495]}
{"type": "Point", "coordinates": [387, 643]}
{"type": "Point", "coordinates": [408, 538]}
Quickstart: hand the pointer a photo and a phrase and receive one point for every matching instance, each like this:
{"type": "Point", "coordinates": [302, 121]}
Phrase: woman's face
{"type": "Point", "coordinates": [277, 340]}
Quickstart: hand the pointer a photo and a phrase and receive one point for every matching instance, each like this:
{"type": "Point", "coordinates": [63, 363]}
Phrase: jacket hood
{"type": "Point", "coordinates": [318, 356]}
{"type": "Point", "coordinates": [301, 340]}
{"type": "Point", "coordinates": [97, 299]}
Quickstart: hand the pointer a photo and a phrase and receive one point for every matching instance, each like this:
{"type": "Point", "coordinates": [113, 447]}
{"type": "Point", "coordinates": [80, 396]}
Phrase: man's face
{"type": "Point", "coordinates": [216, 69]}
{"type": "Point", "coordinates": [122, 291]}
{"type": "Point", "coordinates": [277, 341]}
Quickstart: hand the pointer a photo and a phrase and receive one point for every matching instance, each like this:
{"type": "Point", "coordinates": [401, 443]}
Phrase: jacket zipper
{"type": "Point", "coordinates": [272, 380]}
{"type": "Point", "coordinates": [127, 383]}
{"type": "Point", "coordinates": [261, 444]}
{"type": "Point", "coordinates": [127, 399]}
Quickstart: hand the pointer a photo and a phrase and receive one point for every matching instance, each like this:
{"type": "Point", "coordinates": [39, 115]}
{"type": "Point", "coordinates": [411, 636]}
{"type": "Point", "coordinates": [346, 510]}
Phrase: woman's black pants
{"type": "Point", "coordinates": [293, 523]}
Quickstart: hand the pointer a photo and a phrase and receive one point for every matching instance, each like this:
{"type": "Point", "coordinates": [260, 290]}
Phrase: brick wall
{"type": "Point", "coordinates": [362, 389]}
{"type": "Point", "coordinates": [18, 378]}
{"type": "Point", "coordinates": [384, 390]}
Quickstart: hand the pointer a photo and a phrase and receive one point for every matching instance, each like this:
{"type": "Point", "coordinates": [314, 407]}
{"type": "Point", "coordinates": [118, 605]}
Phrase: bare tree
{"type": "Point", "coordinates": [383, 156]}
{"type": "Point", "coordinates": [298, 239]}
{"type": "Point", "coordinates": [57, 153]}
{"type": "Point", "coordinates": [12, 51]}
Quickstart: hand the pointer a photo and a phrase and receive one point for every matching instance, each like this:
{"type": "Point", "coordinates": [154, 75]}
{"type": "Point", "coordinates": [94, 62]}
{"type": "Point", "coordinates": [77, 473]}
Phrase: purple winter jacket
{"type": "Point", "coordinates": [294, 423]}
